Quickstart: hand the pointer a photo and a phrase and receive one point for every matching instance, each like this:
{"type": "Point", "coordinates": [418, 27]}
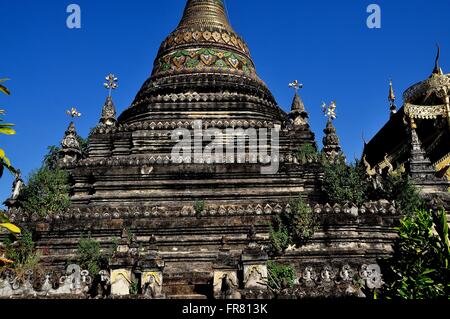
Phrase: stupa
{"type": "Point", "coordinates": [184, 226]}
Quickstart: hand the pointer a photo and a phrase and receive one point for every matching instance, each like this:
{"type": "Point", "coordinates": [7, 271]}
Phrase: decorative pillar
{"type": "Point", "coordinates": [298, 114]}
{"type": "Point", "coordinates": [421, 169]}
{"type": "Point", "coordinates": [108, 117]}
{"type": "Point", "coordinates": [109, 110]}
{"type": "Point", "coordinates": [70, 151]}
{"type": "Point", "coordinates": [331, 144]}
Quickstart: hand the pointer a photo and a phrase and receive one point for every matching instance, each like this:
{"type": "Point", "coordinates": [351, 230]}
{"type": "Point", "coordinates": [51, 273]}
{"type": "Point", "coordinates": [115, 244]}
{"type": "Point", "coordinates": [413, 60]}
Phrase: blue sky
{"type": "Point", "coordinates": [325, 44]}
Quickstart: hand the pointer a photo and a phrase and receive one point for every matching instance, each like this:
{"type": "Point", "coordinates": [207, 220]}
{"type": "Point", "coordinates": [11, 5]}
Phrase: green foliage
{"type": "Point", "coordinates": [21, 251]}
{"type": "Point", "coordinates": [419, 268]}
{"type": "Point", "coordinates": [199, 206]}
{"type": "Point", "coordinates": [47, 192]}
{"type": "Point", "coordinates": [7, 129]}
{"type": "Point", "coordinates": [300, 221]}
{"type": "Point", "coordinates": [400, 189]}
{"type": "Point", "coordinates": [13, 229]}
{"type": "Point", "coordinates": [279, 241]}
{"type": "Point", "coordinates": [307, 153]}
{"type": "Point", "coordinates": [89, 255]}
{"type": "Point", "coordinates": [293, 227]}
{"type": "Point", "coordinates": [280, 276]}
{"type": "Point", "coordinates": [344, 183]}
{"type": "Point", "coordinates": [134, 288]}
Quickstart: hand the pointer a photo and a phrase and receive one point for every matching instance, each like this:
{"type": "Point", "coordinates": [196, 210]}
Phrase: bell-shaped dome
{"type": "Point", "coordinates": [203, 70]}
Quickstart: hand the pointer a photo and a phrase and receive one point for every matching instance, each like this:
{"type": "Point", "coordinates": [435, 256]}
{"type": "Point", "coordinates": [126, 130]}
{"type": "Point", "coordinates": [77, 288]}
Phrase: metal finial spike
{"type": "Point", "coordinates": [330, 110]}
{"type": "Point", "coordinates": [296, 86]}
{"type": "Point", "coordinates": [111, 83]}
{"type": "Point", "coordinates": [391, 92]}
{"type": "Point", "coordinates": [437, 68]}
{"type": "Point", "coordinates": [73, 113]}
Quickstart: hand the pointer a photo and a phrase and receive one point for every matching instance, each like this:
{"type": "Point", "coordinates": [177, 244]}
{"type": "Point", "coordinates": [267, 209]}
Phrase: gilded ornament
{"type": "Point", "coordinates": [207, 35]}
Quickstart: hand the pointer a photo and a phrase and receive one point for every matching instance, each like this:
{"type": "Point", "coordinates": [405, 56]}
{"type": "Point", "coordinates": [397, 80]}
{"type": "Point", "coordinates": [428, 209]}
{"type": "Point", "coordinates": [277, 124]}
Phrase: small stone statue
{"type": "Point", "coordinates": [252, 234]}
{"type": "Point", "coordinates": [17, 188]}
{"type": "Point", "coordinates": [150, 288]}
{"type": "Point", "coordinates": [18, 185]}
{"type": "Point", "coordinates": [225, 289]}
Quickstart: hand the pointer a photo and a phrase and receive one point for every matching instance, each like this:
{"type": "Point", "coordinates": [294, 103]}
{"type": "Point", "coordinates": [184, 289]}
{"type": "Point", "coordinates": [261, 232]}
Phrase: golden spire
{"type": "Point", "coordinates": [391, 98]}
{"type": "Point", "coordinates": [437, 69]}
{"type": "Point", "coordinates": [205, 13]}
{"type": "Point", "coordinates": [391, 92]}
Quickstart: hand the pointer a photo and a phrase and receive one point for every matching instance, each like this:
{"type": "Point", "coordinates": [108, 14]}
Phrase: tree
{"type": "Point", "coordinates": [89, 255]}
{"type": "Point", "coordinates": [280, 276]}
{"type": "Point", "coordinates": [47, 192]}
{"type": "Point", "coordinates": [5, 128]}
{"type": "Point", "coordinates": [400, 189]}
{"type": "Point", "coordinates": [292, 227]}
{"type": "Point", "coordinates": [419, 267]}
{"type": "Point", "coordinates": [344, 183]}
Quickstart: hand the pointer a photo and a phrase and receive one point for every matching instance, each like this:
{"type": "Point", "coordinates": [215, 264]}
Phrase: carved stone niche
{"type": "Point", "coordinates": [254, 265]}
{"type": "Point", "coordinates": [152, 283]}
{"type": "Point", "coordinates": [150, 269]}
{"type": "Point", "coordinates": [120, 282]}
{"type": "Point", "coordinates": [226, 284]}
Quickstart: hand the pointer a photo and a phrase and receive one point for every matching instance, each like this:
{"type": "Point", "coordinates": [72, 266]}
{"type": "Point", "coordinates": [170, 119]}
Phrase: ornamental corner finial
{"type": "Point", "coordinates": [111, 83]}
{"type": "Point", "coordinates": [437, 69]}
{"type": "Point", "coordinates": [73, 113]}
{"type": "Point", "coordinates": [296, 86]}
{"type": "Point", "coordinates": [329, 110]}
{"type": "Point", "coordinates": [392, 98]}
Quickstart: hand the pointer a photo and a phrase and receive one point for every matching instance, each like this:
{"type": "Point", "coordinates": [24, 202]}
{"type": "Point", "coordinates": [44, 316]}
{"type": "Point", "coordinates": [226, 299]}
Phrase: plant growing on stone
{"type": "Point", "coordinates": [292, 227]}
{"type": "Point", "coordinates": [46, 192]}
{"type": "Point", "coordinates": [400, 189]}
{"type": "Point", "coordinates": [89, 255]}
{"type": "Point", "coordinates": [134, 288]}
{"type": "Point", "coordinates": [279, 240]}
{"type": "Point", "coordinates": [280, 276]}
{"type": "Point", "coordinates": [419, 267]}
{"type": "Point", "coordinates": [300, 221]}
{"type": "Point", "coordinates": [199, 206]}
{"type": "Point", "coordinates": [21, 251]}
{"type": "Point", "coordinates": [344, 183]}
{"type": "Point", "coordinates": [307, 153]}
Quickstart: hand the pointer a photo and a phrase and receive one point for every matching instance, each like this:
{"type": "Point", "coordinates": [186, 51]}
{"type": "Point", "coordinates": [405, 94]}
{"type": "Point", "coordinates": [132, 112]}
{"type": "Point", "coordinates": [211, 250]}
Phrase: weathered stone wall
{"type": "Point", "coordinates": [192, 246]}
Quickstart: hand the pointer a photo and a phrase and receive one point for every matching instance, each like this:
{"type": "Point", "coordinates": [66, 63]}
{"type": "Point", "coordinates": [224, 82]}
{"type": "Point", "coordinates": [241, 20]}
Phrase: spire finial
{"type": "Point", "coordinates": [298, 114]}
{"type": "Point", "coordinates": [111, 83]}
{"type": "Point", "coordinates": [331, 144]}
{"type": "Point", "coordinates": [329, 110]}
{"type": "Point", "coordinates": [296, 86]}
{"type": "Point", "coordinates": [73, 113]}
{"type": "Point", "coordinates": [206, 13]}
{"type": "Point", "coordinates": [391, 98]}
{"type": "Point", "coordinates": [437, 68]}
